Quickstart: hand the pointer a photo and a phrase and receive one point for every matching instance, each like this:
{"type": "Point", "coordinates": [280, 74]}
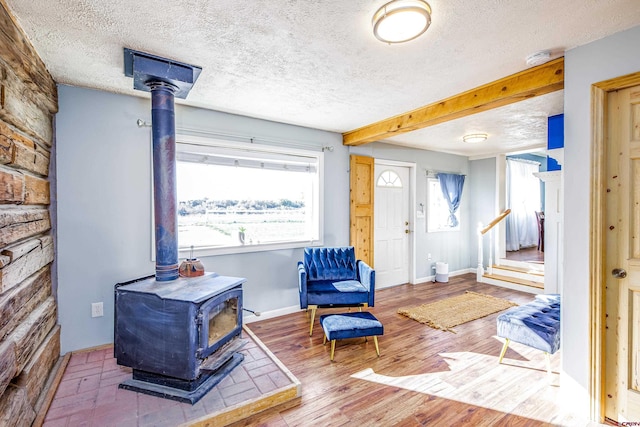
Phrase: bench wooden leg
{"type": "Point", "coordinates": [313, 309]}
{"type": "Point", "coordinates": [375, 340]}
{"type": "Point", "coordinates": [547, 356]}
{"type": "Point", "coordinates": [504, 349]}
{"type": "Point", "coordinates": [333, 348]}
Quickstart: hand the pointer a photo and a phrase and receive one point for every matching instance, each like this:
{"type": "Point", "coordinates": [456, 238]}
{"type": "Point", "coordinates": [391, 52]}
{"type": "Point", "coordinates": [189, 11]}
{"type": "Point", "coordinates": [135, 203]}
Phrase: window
{"type": "Point", "coordinates": [235, 197]}
{"type": "Point", "coordinates": [438, 209]}
{"type": "Point", "coordinates": [389, 179]}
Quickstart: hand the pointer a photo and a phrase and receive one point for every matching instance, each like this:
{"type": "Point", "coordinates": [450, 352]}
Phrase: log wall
{"type": "Point", "coordinates": [29, 334]}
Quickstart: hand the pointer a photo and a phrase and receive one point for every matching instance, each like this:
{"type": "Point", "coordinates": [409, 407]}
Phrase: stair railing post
{"type": "Point", "coordinates": [480, 269]}
{"type": "Point", "coordinates": [490, 266]}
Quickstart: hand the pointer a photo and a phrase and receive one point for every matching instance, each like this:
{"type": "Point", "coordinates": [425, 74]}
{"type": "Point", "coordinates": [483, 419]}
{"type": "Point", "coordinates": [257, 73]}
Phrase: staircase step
{"type": "Point", "coordinates": [530, 271]}
{"type": "Point", "coordinates": [521, 264]}
{"type": "Point", "coordinates": [516, 280]}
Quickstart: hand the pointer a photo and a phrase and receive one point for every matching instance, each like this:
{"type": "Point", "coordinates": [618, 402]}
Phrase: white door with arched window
{"type": "Point", "coordinates": [392, 225]}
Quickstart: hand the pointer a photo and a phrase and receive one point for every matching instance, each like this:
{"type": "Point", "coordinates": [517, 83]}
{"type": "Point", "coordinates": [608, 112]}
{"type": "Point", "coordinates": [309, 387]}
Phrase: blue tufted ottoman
{"type": "Point", "coordinates": [536, 324]}
{"type": "Point", "coordinates": [350, 325]}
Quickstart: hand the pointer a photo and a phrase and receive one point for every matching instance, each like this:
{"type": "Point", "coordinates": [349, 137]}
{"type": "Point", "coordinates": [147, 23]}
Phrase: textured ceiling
{"type": "Point", "coordinates": [317, 63]}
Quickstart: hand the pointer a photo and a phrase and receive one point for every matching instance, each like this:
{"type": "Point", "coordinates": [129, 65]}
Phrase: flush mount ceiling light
{"type": "Point", "coordinates": [474, 137]}
{"type": "Point", "coordinates": [401, 20]}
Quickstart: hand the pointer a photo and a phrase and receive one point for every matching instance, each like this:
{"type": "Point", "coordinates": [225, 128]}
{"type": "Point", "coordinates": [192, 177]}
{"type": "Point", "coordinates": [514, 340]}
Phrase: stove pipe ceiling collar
{"type": "Point", "coordinates": [146, 68]}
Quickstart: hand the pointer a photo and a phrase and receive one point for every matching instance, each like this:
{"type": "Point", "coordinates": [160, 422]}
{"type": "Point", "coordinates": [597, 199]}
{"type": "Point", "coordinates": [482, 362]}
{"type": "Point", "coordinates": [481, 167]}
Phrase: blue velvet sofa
{"type": "Point", "coordinates": [332, 277]}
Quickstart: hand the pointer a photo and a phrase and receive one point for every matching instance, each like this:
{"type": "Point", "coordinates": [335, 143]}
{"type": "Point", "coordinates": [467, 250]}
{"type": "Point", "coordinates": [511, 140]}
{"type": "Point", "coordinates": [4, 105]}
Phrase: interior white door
{"type": "Point", "coordinates": [391, 222]}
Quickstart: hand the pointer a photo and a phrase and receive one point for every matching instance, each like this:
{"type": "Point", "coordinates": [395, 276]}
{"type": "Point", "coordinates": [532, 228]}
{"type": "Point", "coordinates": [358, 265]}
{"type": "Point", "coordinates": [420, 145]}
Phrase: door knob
{"type": "Point", "coordinates": [406, 223]}
{"type": "Point", "coordinates": [406, 231]}
{"type": "Point", "coordinates": [619, 273]}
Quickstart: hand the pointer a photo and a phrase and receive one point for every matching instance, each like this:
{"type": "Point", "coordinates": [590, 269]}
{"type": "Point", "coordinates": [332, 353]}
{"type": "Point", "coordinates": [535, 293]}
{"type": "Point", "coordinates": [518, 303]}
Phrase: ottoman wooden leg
{"type": "Point", "coordinates": [375, 340]}
{"type": "Point", "coordinates": [333, 348]}
{"type": "Point", "coordinates": [504, 349]}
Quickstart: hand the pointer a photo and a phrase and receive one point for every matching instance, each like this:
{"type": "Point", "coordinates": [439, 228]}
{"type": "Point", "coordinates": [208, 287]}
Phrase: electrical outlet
{"type": "Point", "coordinates": [97, 309]}
{"type": "Point", "coordinates": [428, 257]}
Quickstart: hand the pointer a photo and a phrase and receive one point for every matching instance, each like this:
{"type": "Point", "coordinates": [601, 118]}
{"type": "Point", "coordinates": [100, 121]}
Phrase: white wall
{"type": "Point", "coordinates": [104, 202]}
{"type": "Point", "coordinates": [451, 246]}
{"type": "Point", "coordinates": [104, 205]}
{"type": "Point", "coordinates": [604, 59]}
{"type": "Point", "coordinates": [482, 193]}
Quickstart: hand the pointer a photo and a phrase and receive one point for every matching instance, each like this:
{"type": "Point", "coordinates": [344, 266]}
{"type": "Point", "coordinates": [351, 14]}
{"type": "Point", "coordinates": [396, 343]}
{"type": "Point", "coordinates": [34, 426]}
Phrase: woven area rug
{"type": "Point", "coordinates": [450, 312]}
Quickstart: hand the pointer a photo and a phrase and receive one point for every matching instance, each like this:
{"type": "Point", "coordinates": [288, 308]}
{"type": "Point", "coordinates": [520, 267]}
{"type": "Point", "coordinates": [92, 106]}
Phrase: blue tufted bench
{"type": "Point", "coordinates": [536, 324]}
{"type": "Point", "coordinates": [350, 325]}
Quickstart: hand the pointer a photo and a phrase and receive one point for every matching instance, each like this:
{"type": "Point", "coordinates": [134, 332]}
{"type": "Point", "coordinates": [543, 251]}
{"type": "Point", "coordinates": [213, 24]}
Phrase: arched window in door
{"type": "Point", "coordinates": [389, 178]}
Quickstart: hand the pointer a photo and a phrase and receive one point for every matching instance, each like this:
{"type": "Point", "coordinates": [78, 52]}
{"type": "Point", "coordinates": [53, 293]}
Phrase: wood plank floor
{"type": "Point", "coordinates": [527, 255]}
{"type": "Point", "coordinates": [423, 376]}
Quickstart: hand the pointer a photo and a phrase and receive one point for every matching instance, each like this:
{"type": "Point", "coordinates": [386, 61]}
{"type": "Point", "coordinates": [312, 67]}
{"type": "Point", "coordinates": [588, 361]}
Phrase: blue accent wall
{"type": "Point", "coordinates": [555, 139]}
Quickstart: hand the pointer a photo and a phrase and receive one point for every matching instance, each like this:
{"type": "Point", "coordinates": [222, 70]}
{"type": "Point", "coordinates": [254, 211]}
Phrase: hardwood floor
{"type": "Point", "coordinates": [526, 254]}
{"type": "Point", "coordinates": [424, 376]}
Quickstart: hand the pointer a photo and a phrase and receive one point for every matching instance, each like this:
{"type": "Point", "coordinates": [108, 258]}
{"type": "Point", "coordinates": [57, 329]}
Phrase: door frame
{"type": "Point", "coordinates": [597, 252]}
{"type": "Point", "coordinates": [412, 210]}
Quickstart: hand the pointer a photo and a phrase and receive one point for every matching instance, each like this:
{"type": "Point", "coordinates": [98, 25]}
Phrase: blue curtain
{"type": "Point", "coordinates": [451, 186]}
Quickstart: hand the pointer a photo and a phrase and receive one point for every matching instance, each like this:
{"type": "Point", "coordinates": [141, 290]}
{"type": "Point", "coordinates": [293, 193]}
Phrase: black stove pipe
{"type": "Point", "coordinates": [164, 180]}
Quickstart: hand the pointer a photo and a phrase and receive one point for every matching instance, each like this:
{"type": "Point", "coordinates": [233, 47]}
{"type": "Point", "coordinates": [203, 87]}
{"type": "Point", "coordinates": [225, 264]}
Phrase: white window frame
{"type": "Point", "coordinates": [184, 142]}
{"type": "Point", "coordinates": [430, 196]}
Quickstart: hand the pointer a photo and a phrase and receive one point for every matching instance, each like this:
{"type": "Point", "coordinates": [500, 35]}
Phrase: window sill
{"type": "Point", "coordinates": [184, 253]}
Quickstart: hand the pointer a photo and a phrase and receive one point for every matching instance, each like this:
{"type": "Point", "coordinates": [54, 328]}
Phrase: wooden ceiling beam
{"type": "Point", "coordinates": [535, 81]}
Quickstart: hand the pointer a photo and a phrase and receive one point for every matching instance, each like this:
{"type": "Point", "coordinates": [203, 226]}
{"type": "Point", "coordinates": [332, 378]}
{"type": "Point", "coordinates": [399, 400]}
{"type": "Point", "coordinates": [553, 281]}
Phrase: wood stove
{"type": "Point", "coordinates": [180, 337]}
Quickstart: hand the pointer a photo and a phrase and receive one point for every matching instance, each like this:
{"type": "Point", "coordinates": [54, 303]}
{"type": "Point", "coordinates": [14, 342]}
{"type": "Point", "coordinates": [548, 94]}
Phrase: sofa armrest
{"type": "Point", "coordinates": [367, 277]}
{"type": "Point", "coordinates": [302, 284]}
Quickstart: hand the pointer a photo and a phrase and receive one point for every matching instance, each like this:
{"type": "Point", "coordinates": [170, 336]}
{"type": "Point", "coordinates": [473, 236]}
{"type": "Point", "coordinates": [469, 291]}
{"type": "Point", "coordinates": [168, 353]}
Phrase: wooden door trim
{"type": "Point", "coordinates": [361, 240]}
{"type": "Point", "coordinates": [597, 253]}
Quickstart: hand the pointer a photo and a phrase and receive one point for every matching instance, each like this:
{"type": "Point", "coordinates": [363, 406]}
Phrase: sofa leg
{"type": "Point", "coordinates": [504, 349]}
{"type": "Point", "coordinates": [333, 348]}
{"type": "Point", "coordinates": [375, 340]}
{"type": "Point", "coordinates": [313, 309]}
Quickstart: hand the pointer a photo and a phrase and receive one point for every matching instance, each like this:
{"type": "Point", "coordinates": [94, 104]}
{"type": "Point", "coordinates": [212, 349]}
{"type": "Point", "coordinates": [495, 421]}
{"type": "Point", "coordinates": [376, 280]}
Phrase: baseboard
{"type": "Point", "coordinates": [451, 274]}
{"type": "Point", "coordinates": [250, 318]}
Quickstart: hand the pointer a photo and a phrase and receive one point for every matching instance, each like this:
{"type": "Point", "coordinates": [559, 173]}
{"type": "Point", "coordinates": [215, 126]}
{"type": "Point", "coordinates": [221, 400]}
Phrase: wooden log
{"type": "Point", "coordinates": [36, 191]}
{"type": "Point", "coordinates": [20, 223]}
{"type": "Point", "coordinates": [23, 248]}
{"type": "Point", "coordinates": [11, 186]}
{"type": "Point", "coordinates": [15, 410]}
{"type": "Point", "coordinates": [30, 334]}
{"type": "Point", "coordinates": [33, 159]}
{"type": "Point", "coordinates": [21, 107]}
{"type": "Point", "coordinates": [6, 149]}
{"type": "Point", "coordinates": [20, 55]}
{"type": "Point", "coordinates": [35, 374]}
{"type": "Point", "coordinates": [21, 151]}
{"type": "Point", "coordinates": [26, 259]}
{"type": "Point", "coordinates": [20, 301]}
{"type": "Point", "coordinates": [7, 364]}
